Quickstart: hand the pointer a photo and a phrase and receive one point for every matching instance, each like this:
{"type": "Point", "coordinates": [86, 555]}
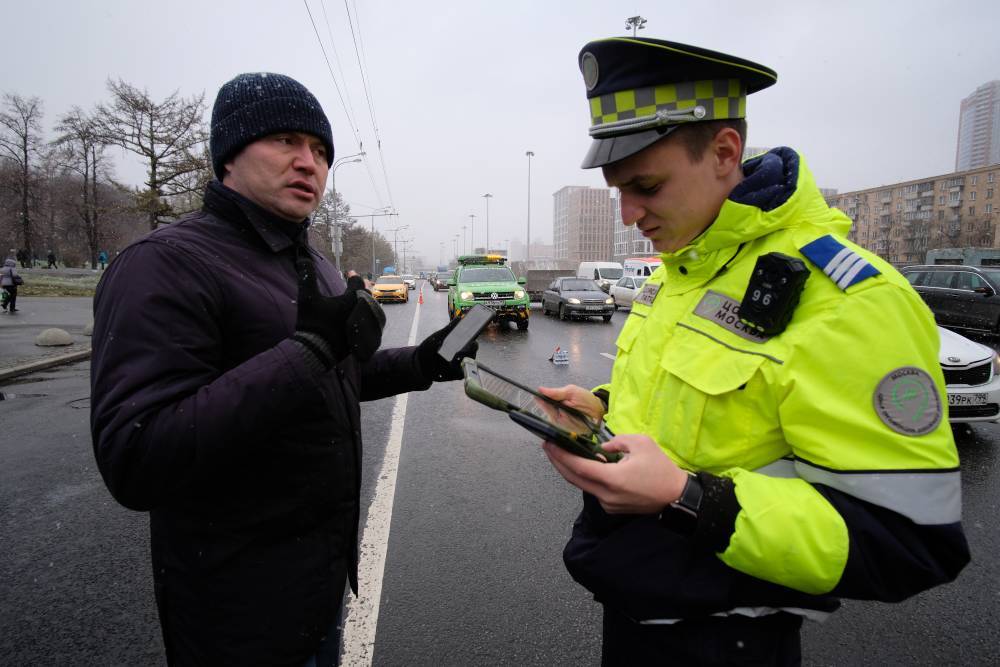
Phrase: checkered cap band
{"type": "Point", "coordinates": [721, 99]}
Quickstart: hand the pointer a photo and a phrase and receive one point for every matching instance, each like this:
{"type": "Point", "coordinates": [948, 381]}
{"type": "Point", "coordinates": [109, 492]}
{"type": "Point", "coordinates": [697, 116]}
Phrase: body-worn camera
{"type": "Point", "coordinates": [773, 293]}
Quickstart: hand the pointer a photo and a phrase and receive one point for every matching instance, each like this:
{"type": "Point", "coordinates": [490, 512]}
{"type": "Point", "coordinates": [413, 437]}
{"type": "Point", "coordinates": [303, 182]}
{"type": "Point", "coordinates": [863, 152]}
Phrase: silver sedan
{"type": "Point", "coordinates": [625, 289]}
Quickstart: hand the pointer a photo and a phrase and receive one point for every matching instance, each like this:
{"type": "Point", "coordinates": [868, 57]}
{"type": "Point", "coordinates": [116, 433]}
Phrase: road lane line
{"type": "Point", "coordinates": [361, 613]}
{"type": "Point", "coordinates": [608, 356]}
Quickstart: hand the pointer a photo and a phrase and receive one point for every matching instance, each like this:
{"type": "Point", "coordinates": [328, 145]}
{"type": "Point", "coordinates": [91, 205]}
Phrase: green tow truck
{"type": "Point", "coordinates": [487, 279]}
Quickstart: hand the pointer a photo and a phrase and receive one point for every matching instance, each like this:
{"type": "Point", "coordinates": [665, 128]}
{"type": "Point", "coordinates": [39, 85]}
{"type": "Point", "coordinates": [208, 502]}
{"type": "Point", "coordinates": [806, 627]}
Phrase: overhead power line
{"type": "Point", "coordinates": [367, 88]}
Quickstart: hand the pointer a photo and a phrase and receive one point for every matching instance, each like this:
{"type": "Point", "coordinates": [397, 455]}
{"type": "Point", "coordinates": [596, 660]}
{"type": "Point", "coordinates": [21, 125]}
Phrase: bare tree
{"type": "Point", "coordinates": [20, 141]}
{"type": "Point", "coordinates": [170, 137]}
{"type": "Point", "coordinates": [81, 151]}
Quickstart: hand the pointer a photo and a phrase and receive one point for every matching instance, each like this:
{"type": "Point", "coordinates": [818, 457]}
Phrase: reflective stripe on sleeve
{"type": "Point", "coordinates": [926, 497]}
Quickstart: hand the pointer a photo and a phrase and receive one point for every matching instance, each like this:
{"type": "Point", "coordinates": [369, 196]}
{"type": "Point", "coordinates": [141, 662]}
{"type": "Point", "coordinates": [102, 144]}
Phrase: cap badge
{"type": "Point", "coordinates": [590, 70]}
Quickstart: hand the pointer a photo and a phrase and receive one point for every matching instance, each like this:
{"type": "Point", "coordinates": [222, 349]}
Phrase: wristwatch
{"type": "Point", "coordinates": [681, 516]}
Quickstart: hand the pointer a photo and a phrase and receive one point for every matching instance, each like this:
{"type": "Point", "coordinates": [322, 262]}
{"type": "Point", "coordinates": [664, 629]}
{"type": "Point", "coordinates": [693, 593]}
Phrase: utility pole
{"type": "Point", "coordinates": [527, 254]}
{"type": "Point", "coordinates": [472, 233]}
{"type": "Point", "coordinates": [635, 23]}
{"type": "Point", "coordinates": [487, 197]}
{"type": "Point", "coordinates": [465, 241]}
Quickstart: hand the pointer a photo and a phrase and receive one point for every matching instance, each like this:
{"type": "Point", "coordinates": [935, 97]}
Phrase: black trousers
{"type": "Point", "coordinates": [714, 640]}
{"type": "Point", "coordinates": [12, 297]}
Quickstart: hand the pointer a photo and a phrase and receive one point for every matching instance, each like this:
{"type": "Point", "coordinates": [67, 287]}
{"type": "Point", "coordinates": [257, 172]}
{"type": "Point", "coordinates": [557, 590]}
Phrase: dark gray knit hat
{"type": "Point", "coordinates": [254, 105]}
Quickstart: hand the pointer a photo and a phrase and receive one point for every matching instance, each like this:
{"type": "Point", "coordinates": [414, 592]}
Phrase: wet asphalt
{"type": "Point", "coordinates": [474, 573]}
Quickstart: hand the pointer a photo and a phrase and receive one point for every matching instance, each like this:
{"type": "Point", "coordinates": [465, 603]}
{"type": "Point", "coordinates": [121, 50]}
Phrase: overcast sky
{"type": "Point", "coordinates": [868, 91]}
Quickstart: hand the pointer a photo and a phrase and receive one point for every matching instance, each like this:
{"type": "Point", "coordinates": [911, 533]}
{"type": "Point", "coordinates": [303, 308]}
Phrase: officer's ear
{"type": "Point", "coordinates": [726, 151]}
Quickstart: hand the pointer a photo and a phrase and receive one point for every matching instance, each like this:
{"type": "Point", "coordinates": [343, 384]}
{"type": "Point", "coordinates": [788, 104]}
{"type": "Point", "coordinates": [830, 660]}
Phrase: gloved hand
{"type": "Point", "coordinates": [436, 369]}
{"type": "Point", "coordinates": [323, 316]}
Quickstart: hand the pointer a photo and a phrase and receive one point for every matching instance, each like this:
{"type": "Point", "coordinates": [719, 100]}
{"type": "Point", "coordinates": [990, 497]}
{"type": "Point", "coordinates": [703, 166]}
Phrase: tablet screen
{"type": "Point", "coordinates": [534, 403]}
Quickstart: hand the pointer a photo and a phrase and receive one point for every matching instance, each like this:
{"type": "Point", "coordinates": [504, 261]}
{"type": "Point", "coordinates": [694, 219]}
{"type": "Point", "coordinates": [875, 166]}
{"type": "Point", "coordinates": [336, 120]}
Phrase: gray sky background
{"type": "Point", "coordinates": [869, 92]}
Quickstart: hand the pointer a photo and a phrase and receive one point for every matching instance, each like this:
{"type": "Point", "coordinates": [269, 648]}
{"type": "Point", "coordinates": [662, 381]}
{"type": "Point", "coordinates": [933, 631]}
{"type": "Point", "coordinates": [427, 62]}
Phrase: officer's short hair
{"type": "Point", "coordinates": [695, 137]}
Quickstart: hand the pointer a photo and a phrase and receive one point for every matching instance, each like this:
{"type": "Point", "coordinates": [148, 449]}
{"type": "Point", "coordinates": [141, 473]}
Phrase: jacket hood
{"type": "Point", "coordinates": [777, 192]}
{"type": "Point", "coordinates": [9, 262]}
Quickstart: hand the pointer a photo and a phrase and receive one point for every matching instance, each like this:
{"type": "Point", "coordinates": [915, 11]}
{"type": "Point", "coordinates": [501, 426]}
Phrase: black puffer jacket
{"type": "Point", "coordinates": [207, 415]}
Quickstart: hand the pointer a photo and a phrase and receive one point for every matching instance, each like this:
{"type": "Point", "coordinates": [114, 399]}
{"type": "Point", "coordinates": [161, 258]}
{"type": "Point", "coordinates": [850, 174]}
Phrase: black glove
{"type": "Point", "coordinates": [436, 369]}
{"type": "Point", "coordinates": [333, 327]}
{"type": "Point", "coordinates": [323, 316]}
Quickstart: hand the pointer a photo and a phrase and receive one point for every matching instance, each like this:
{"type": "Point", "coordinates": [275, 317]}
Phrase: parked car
{"type": "Point", "coordinates": [390, 288]}
{"type": "Point", "coordinates": [576, 297]}
{"type": "Point", "coordinates": [410, 280]}
{"type": "Point", "coordinates": [441, 280]}
{"type": "Point", "coordinates": [972, 378]}
{"type": "Point", "coordinates": [624, 291]}
{"type": "Point", "coordinates": [961, 297]}
{"type": "Point", "coordinates": [641, 266]}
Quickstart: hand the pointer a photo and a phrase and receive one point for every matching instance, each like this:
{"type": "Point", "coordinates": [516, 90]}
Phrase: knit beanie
{"type": "Point", "coordinates": [254, 105]}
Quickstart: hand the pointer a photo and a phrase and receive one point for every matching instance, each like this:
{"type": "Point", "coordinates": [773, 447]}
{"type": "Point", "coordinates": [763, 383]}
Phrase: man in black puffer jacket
{"type": "Point", "coordinates": [229, 361]}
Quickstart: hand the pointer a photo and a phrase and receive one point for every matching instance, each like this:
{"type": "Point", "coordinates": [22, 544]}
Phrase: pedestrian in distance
{"type": "Point", "coordinates": [102, 259]}
{"type": "Point", "coordinates": [776, 391]}
{"type": "Point", "coordinates": [9, 282]}
{"type": "Point", "coordinates": [52, 260]}
{"type": "Point", "coordinates": [228, 407]}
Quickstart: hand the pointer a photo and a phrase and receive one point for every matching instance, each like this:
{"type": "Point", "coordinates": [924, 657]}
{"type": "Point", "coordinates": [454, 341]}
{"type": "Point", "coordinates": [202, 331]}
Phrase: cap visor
{"type": "Point", "coordinates": [606, 151]}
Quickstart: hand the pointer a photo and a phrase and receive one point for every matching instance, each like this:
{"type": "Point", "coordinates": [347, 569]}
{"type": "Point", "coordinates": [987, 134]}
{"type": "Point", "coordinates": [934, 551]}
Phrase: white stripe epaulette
{"type": "Point", "coordinates": [841, 264]}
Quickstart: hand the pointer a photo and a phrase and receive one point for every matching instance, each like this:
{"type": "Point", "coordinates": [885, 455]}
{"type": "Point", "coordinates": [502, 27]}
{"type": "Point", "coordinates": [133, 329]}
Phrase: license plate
{"type": "Point", "coordinates": [968, 399]}
{"type": "Point", "coordinates": [595, 307]}
{"type": "Point", "coordinates": [493, 303]}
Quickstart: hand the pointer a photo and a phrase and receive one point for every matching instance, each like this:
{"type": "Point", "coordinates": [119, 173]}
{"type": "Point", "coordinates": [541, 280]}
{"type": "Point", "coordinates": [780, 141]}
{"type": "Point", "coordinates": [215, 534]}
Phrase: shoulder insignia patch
{"type": "Point", "coordinates": [841, 264]}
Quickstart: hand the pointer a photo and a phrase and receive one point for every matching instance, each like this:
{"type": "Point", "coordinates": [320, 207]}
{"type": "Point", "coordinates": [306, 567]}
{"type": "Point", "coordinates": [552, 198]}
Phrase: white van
{"type": "Point", "coordinates": [603, 273]}
{"type": "Point", "coordinates": [641, 266]}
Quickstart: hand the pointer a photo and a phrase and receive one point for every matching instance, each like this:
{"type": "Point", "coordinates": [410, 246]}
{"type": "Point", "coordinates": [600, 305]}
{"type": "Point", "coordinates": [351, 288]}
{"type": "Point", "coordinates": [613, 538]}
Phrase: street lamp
{"type": "Point", "coordinates": [465, 241]}
{"type": "Point", "coordinates": [472, 233]}
{"type": "Point", "coordinates": [334, 228]}
{"type": "Point", "coordinates": [375, 214]}
{"type": "Point", "coordinates": [395, 251]}
{"type": "Point", "coordinates": [487, 197]}
{"type": "Point", "coordinates": [634, 23]}
{"type": "Point", "coordinates": [527, 254]}
{"type": "Point", "coordinates": [454, 245]}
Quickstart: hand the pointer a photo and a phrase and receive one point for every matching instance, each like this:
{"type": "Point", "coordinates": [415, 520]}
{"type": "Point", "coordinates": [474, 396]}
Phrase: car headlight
{"type": "Point", "coordinates": [609, 301]}
{"type": "Point", "coordinates": [519, 294]}
{"type": "Point", "coordinates": [465, 296]}
{"type": "Point", "coordinates": [574, 301]}
{"type": "Point", "coordinates": [996, 365]}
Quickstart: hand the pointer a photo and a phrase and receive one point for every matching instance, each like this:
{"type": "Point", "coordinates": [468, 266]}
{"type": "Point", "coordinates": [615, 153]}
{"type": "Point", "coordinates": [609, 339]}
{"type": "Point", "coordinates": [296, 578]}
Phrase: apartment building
{"type": "Point", "coordinates": [979, 128]}
{"type": "Point", "coordinates": [901, 222]}
{"type": "Point", "coordinates": [582, 223]}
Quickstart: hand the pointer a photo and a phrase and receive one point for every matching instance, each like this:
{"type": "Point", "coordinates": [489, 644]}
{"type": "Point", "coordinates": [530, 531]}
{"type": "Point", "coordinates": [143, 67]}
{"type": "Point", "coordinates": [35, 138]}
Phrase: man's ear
{"type": "Point", "coordinates": [727, 149]}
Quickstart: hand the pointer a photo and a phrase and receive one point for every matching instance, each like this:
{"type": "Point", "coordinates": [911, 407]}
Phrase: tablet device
{"type": "Point", "coordinates": [567, 427]}
{"type": "Point", "coordinates": [472, 324]}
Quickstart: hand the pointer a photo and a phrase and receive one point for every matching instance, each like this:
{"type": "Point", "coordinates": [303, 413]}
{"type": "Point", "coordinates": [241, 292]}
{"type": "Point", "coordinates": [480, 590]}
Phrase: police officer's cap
{"type": "Point", "coordinates": [640, 90]}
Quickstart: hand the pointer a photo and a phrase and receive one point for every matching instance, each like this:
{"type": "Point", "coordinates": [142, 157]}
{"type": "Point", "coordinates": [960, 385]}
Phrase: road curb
{"type": "Point", "coordinates": [42, 364]}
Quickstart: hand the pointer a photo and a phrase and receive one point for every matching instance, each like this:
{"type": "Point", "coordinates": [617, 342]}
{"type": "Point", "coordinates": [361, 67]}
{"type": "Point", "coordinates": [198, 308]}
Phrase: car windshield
{"type": "Point", "coordinates": [389, 280]}
{"type": "Point", "coordinates": [992, 274]}
{"type": "Point", "coordinates": [445, 276]}
{"type": "Point", "coordinates": [580, 286]}
{"type": "Point", "coordinates": [610, 274]}
{"type": "Point", "coordinates": [488, 274]}
{"type": "Point", "coordinates": [408, 277]}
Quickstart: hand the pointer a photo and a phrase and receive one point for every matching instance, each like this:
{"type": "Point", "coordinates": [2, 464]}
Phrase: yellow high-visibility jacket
{"type": "Point", "coordinates": [834, 432]}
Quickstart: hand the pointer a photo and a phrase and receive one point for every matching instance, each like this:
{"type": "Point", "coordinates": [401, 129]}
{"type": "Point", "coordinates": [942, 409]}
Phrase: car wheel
{"type": "Point", "coordinates": [606, 318]}
{"type": "Point", "coordinates": [562, 313]}
{"type": "Point", "coordinates": [522, 325]}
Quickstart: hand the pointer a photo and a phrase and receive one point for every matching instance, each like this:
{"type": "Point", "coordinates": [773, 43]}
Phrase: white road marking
{"type": "Point", "coordinates": [608, 356]}
{"type": "Point", "coordinates": [361, 613]}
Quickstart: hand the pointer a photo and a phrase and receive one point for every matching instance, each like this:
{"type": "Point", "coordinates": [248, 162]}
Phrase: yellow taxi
{"type": "Point", "coordinates": [390, 288]}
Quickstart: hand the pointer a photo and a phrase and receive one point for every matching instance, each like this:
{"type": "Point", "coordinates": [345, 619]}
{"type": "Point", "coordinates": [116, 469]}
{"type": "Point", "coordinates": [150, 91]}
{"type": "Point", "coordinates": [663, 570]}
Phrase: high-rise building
{"type": "Point", "coordinates": [979, 128]}
{"type": "Point", "coordinates": [629, 241]}
{"type": "Point", "coordinates": [582, 224]}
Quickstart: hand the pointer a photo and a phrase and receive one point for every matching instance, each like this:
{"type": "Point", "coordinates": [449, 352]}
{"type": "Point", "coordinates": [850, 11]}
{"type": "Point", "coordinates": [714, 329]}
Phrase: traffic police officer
{"type": "Point", "coordinates": [776, 388]}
